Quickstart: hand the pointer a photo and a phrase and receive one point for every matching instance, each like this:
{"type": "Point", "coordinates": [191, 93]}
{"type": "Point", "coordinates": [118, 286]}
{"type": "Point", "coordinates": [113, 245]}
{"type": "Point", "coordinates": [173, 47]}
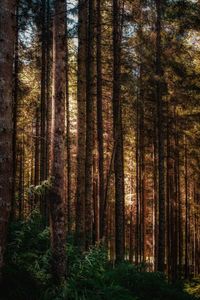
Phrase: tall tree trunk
{"type": "Point", "coordinates": [141, 166]}
{"type": "Point", "coordinates": [37, 153]}
{"type": "Point", "coordinates": [21, 181]}
{"type": "Point", "coordinates": [155, 183]}
{"type": "Point", "coordinates": [169, 201]}
{"type": "Point", "coordinates": [176, 202]}
{"type": "Point", "coordinates": [160, 131]}
{"type": "Point", "coordinates": [100, 120]}
{"type": "Point", "coordinates": [106, 196]}
{"type": "Point", "coordinates": [186, 211]}
{"type": "Point", "coordinates": [69, 167]}
{"type": "Point", "coordinates": [81, 120]}
{"type": "Point", "coordinates": [57, 193]}
{"type": "Point", "coordinates": [131, 237]}
{"type": "Point", "coordinates": [118, 134]}
{"type": "Point", "coordinates": [48, 81]}
{"type": "Point", "coordinates": [7, 40]}
{"type": "Point", "coordinates": [90, 94]}
{"type": "Point", "coordinates": [43, 144]}
{"type": "Point", "coordinates": [180, 222]}
{"type": "Point", "coordinates": [95, 201]}
{"type": "Point", "coordinates": [137, 153]}
{"type": "Point", "coordinates": [15, 109]}
{"type": "Point", "coordinates": [43, 92]}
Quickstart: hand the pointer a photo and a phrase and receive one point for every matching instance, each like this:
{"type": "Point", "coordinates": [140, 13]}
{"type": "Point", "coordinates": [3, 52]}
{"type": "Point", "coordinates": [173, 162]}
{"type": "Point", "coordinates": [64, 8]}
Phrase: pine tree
{"type": "Point", "coordinates": [57, 192]}
{"type": "Point", "coordinates": [118, 134]}
{"type": "Point", "coordinates": [7, 41]}
{"type": "Point", "coordinates": [81, 121]}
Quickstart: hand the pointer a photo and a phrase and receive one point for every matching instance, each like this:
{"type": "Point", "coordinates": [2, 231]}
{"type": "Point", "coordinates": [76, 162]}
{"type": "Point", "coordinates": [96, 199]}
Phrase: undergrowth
{"type": "Point", "coordinates": [27, 272]}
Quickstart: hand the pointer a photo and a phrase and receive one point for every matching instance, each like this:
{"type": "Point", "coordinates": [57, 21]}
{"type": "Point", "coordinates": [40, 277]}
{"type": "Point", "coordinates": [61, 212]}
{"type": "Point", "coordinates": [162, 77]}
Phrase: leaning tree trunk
{"type": "Point", "coordinates": [118, 135]}
{"type": "Point", "coordinates": [57, 193]}
{"type": "Point", "coordinates": [7, 39]}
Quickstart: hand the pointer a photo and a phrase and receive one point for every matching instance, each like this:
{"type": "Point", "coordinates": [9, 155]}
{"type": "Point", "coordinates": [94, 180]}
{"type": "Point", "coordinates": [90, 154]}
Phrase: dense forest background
{"type": "Point", "coordinates": [99, 149]}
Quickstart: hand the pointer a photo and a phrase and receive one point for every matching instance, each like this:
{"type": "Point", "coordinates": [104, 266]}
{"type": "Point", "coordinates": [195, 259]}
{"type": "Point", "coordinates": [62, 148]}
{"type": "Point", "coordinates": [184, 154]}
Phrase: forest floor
{"type": "Point", "coordinates": [27, 273]}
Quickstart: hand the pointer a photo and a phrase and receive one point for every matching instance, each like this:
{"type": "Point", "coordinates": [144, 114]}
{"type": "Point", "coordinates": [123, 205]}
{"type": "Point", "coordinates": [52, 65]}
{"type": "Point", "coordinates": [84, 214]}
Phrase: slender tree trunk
{"type": "Point", "coordinates": [21, 181]}
{"type": "Point", "coordinates": [43, 143]}
{"type": "Point", "coordinates": [169, 210]}
{"type": "Point", "coordinates": [118, 135]}
{"type": "Point", "coordinates": [7, 40]}
{"type": "Point", "coordinates": [43, 93]}
{"type": "Point", "coordinates": [69, 167]}
{"type": "Point", "coordinates": [137, 231]}
{"type": "Point", "coordinates": [100, 119]}
{"type": "Point", "coordinates": [81, 120]}
{"type": "Point", "coordinates": [48, 103]}
{"type": "Point", "coordinates": [90, 93]}
{"type": "Point", "coordinates": [95, 202]}
{"type": "Point", "coordinates": [142, 171]}
{"type": "Point", "coordinates": [180, 222]}
{"type": "Point", "coordinates": [37, 153]}
{"type": "Point", "coordinates": [176, 202]}
{"type": "Point", "coordinates": [31, 196]}
{"type": "Point", "coordinates": [15, 109]}
{"type": "Point", "coordinates": [107, 184]}
{"type": "Point", "coordinates": [197, 253]}
{"type": "Point", "coordinates": [48, 98]}
{"type": "Point", "coordinates": [155, 180]}
{"type": "Point", "coordinates": [155, 230]}
{"type": "Point", "coordinates": [186, 213]}
{"type": "Point", "coordinates": [57, 193]}
{"type": "Point", "coordinates": [160, 130]}
{"type": "Point", "coordinates": [131, 237]}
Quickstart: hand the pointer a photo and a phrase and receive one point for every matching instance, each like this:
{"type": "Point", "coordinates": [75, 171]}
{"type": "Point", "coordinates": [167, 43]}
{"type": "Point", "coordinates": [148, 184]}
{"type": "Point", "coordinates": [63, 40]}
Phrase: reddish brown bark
{"type": "Point", "coordinates": [57, 193]}
{"type": "Point", "coordinates": [118, 135]}
{"type": "Point", "coordinates": [81, 119]}
{"type": "Point", "coordinates": [7, 39]}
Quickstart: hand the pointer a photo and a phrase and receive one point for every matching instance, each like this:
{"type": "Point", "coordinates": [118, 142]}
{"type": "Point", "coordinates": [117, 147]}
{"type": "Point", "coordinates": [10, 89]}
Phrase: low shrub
{"type": "Point", "coordinates": [27, 272]}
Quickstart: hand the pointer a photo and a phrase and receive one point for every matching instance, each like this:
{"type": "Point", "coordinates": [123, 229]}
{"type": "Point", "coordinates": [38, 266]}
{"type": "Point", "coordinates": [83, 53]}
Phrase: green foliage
{"type": "Point", "coordinates": [27, 259]}
{"type": "Point", "coordinates": [27, 274]}
{"type": "Point", "coordinates": [92, 263]}
{"type": "Point", "coordinates": [145, 285]}
{"type": "Point", "coordinates": [41, 188]}
{"type": "Point", "coordinates": [193, 287]}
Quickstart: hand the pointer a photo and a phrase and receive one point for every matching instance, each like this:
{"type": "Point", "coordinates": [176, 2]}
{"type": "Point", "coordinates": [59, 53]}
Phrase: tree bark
{"type": "Point", "coordinates": [43, 107]}
{"type": "Point", "coordinates": [15, 110]}
{"type": "Point", "coordinates": [43, 97]}
{"type": "Point", "coordinates": [57, 192]}
{"type": "Point", "coordinates": [186, 212]}
{"type": "Point", "coordinates": [118, 135]}
{"type": "Point", "coordinates": [160, 131]}
{"type": "Point", "coordinates": [90, 98]}
{"type": "Point", "coordinates": [137, 153]}
{"type": "Point", "coordinates": [37, 154]}
{"type": "Point", "coordinates": [7, 40]}
{"type": "Point", "coordinates": [48, 87]}
{"type": "Point", "coordinates": [81, 120]}
{"type": "Point", "coordinates": [100, 120]}
{"type": "Point", "coordinates": [69, 165]}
